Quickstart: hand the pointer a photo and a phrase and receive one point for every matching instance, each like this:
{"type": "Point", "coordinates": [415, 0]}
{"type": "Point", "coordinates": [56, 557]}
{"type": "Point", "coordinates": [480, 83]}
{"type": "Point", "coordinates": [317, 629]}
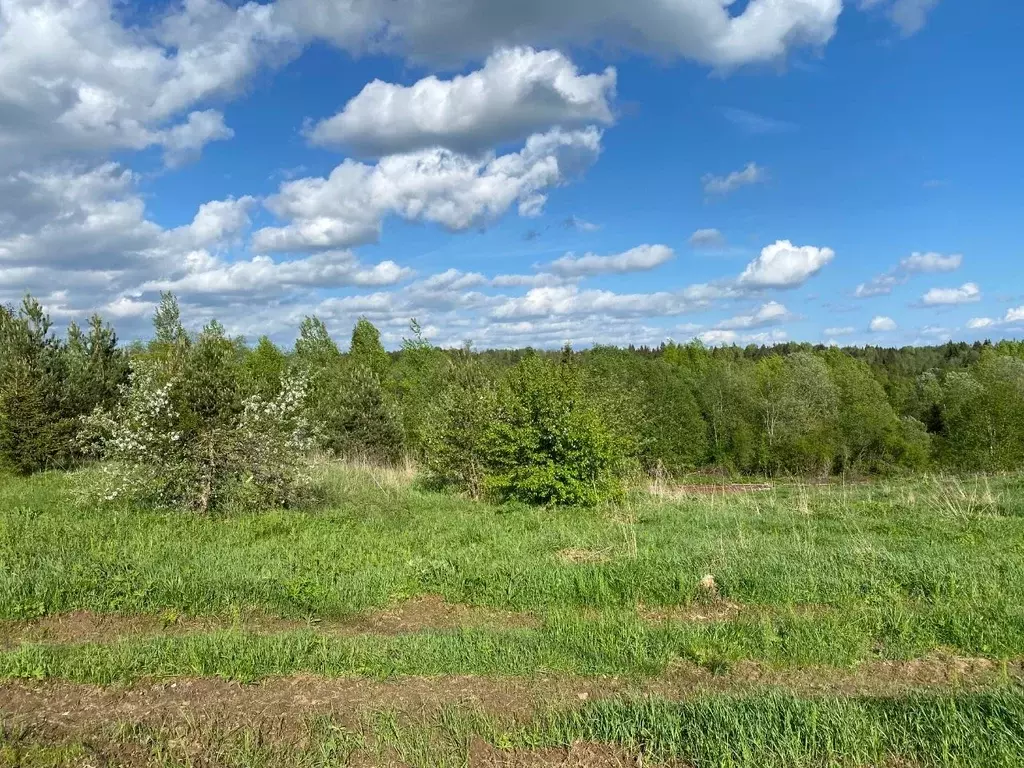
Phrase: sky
{"type": "Point", "coordinates": [513, 174]}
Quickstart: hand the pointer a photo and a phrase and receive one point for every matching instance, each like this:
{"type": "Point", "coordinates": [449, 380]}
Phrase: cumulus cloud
{"type": "Point", "coordinates": [723, 185]}
{"type": "Point", "coordinates": [85, 233]}
{"type": "Point", "coordinates": [845, 330]}
{"type": "Point", "coordinates": [882, 324]}
{"type": "Point", "coordinates": [216, 221]}
{"type": "Point", "coordinates": [716, 337]}
{"type": "Point", "coordinates": [206, 274]}
{"type": "Point", "coordinates": [184, 142]}
{"type": "Point", "coordinates": [571, 300]}
{"type": "Point", "coordinates": [917, 263]}
{"type": "Point", "coordinates": [518, 92]}
{"type": "Point", "coordinates": [914, 264]}
{"type": "Point", "coordinates": [965, 294]}
{"type": "Point", "coordinates": [771, 313]}
{"type": "Point", "coordinates": [707, 239]}
{"type": "Point", "coordinates": [75, 80]}
{"type": "Point", "coordinates": [437, 185]}
{"type": "Point", "coordinates": [702, 30]}
{"type": "Point", "coordinates": [1014, 315]}
{"type": "Point", "coordinates": [784, 265]}
{"type": "Point", "coordinates": [639, 259]}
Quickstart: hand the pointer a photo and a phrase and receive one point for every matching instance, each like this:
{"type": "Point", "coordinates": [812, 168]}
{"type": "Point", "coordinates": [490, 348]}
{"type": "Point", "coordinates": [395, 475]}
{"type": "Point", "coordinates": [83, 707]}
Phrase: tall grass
{"type": "Point", "coordinates": [380, 540]}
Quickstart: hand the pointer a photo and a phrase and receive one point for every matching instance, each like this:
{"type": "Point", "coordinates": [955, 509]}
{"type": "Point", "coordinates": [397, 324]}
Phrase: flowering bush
{"type": "Point", "coordinates": [157, 454]}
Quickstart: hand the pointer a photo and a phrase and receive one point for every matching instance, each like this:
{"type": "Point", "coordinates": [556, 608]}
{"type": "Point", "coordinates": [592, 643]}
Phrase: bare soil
{"type": "Point", "coordinates": [579, 755]}
{"type": "Point", "coordinates": [420, 614]}
{"type": "Point", "coordinates": [289, 701]}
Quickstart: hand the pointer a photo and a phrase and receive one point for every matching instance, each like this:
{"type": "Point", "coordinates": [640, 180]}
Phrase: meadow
{"type": "Point", "coordinates": [864, 624]}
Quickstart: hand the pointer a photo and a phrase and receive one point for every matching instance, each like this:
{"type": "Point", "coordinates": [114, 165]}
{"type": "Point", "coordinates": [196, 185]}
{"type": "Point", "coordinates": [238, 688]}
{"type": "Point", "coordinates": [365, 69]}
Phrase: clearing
{"type": "Point", "coordinates": [789, 625]}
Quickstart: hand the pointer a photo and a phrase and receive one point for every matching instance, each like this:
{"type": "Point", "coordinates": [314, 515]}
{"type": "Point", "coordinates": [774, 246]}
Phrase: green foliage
{"type": "Point", "coordinates": [364, 422]}
{"type": "Point", "coordinates": [421, 375]}
{"type": "Point", "coordinates": [184, 436]}
{"type": "Point", "coordinates": [798, 406]}
{"type": "Point", "coordinates": [366, 351]}
{"type": "Point", "coordinates": [264, 368]}
{"type": "Point", "coordinates": [983, 415]}
{"type": "Point", "coordinates": [47, 384]}
{"type": "Point", "coordinates": [456, 429]}
{"type": "Point", "coordinates": [546, 444]}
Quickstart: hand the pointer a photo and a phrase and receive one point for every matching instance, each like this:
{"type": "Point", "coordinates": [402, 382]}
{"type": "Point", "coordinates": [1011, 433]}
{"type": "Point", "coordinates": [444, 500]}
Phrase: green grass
{"type": "Point", "coordinates": [839, 547]}
{"type": "Point", "coordinates": [826, 577]}
{"type": "Point", "coordinates": [763, 730]}
{"type": "Point", "coordinates": [612, 644]}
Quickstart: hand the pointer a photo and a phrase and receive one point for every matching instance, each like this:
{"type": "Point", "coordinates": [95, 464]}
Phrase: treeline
{"type": "Point", "coordinates": [545, 427]}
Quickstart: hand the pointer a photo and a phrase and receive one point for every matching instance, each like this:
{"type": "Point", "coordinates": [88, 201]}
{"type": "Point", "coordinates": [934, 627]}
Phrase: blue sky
{"type": "Point", "coordinates": [591, 172]}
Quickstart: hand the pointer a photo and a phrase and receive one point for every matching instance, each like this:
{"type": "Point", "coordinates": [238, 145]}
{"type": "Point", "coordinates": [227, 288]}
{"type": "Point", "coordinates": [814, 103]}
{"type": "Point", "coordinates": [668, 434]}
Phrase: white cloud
{"type": "Point", "coordinates": [771, 313]}
{"type": "Point", "coordinates": [184, 142]}
{"type": "Point", "coordinates": [641, 258]}
{"type": "Point", "coordinates": [570, 300]}
{"type": "Point", "coordinates": [965, 294]}
{"type": "Point", "coordinates": [723, 185]}
{"type": "Point", "coordinates": [917, 263]}
{"type": "Point", "coordinates": [518, 92]}
{"type": "Point", "coordinates": [74, 79]}
{"type": "Point", "coordinates": [1013, 315]}
{"type": "Point", "coordinates": [882, 324]}
{"type": "Point", "coordinates": [218, 220]}
{"type": "Point", "coordinates": [914, 264]}
{"type": "Point", "coordinates": [909, 16]}
{"type": "Point", "coordinates": [845, 330]}
{"type": "Point", "coordinates": [784, 265]}
{"type": "Point", "coordinates": [980, 322]}
{"type": "Point", "coordinates": [703, 30]}
{"type": "Point", "coordinates": [85, 233]}
{"type": "Point", "coordinates": [205, 274]}
{"type": "Point", "coordinates": [707, 238]}
{"type": "Point", "coordinates": [125, 307]}
{"type": "Point", "coordinates": [580, 225]}
{"type": "Point", "coordinates": [456, 191]}
{"type": "Point", "coordinates": [724, 337]}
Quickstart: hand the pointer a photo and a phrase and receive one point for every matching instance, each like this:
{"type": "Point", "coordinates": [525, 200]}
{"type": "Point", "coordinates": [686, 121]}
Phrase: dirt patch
{"type": "Point", "coordinates": [576, 556]}
{"type": "Point", "coordinates": [579, 755]}
{"type": "Point", "coordinates": [288, 702]}
{"type": "Point", "coordinates": [719, 610]}
{"type": "Point", "coordinates": [420, 614]}
{"type": "Point", "coordinates": [874, 678]}
{"type": "Point", "coordinates": [294, 699]}
{"type": "Point", "coordinates": [432, 613]}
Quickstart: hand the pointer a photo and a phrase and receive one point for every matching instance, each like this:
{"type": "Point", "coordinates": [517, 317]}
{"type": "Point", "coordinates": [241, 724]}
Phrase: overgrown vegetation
{"type": "Point", "coordinates": [229, 422]}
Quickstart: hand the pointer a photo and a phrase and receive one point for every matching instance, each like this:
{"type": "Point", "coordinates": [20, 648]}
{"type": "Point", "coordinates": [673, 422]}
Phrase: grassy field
{"type": "Point", "coordinates": [849, 625]}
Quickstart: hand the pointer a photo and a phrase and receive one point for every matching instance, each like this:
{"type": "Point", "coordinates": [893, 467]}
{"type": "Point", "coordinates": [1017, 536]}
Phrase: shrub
{"type": "Point", "coordinates": [546, 443]}
{"type": "Point", "coordinates": [36, 428]}
{"type": "Point", "coordinates": [361, 421]}
{"type": "Point", "coordinates": [455, 429]}
{"type": "Point", "coordinates": [183, 438]}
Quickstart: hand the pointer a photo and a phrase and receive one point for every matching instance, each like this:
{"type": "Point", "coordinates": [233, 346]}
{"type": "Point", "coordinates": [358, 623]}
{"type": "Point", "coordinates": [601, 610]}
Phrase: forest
{"type": "Point", "coordinates": [203, 420]}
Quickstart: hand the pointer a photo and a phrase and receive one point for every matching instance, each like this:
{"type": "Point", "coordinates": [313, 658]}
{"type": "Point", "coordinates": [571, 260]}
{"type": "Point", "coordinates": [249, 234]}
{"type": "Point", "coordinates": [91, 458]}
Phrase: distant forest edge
{"type": "Point", "coordinates": [475, 419]}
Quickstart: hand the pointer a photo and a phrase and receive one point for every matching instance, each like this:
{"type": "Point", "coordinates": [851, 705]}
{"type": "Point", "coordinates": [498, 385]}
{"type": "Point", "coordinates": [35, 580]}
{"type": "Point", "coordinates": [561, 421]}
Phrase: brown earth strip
{"type": "Point", "coordinates": [291, 700]}
{"type": "Point", "coordinates": [421, 614]}
{"type": "Point", "coordinates": [579, 755]}
{"type": "Point", "coordinates": [430, 612]}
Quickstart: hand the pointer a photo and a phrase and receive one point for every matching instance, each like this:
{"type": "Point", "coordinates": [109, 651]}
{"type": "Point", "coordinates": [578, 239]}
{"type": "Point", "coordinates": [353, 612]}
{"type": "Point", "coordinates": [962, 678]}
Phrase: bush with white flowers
{"type": "Point", "coordinates": [183, 437]}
